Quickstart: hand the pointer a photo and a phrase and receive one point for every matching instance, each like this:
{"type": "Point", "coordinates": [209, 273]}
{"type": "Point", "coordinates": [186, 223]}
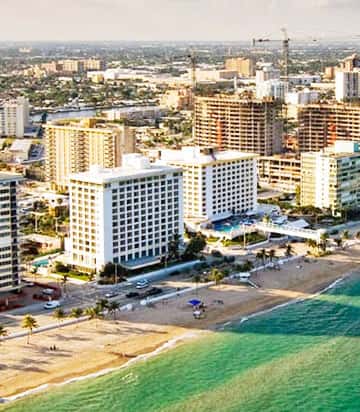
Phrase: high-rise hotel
{"type": "Point", "coordinates": [124, 215]}
{"type": "Point", "coordinates": [9, 234]}
{"type": "Point", "coordinates": [72, 146]}
{"type": "Point", "coordinates": [216, 184]}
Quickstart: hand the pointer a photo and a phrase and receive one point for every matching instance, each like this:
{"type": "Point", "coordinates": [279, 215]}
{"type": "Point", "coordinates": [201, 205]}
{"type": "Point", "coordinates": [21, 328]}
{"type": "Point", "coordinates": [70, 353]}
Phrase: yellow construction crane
{"type": "Point", "coordinates": [192, 58]}
{"type": "Point", "coordinates": [285, 44]}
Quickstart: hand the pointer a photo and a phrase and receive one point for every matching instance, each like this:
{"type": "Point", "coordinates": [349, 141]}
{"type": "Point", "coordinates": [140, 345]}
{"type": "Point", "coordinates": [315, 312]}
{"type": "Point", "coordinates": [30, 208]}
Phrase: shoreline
{"type": "Point", "coordinates": [176, 340]}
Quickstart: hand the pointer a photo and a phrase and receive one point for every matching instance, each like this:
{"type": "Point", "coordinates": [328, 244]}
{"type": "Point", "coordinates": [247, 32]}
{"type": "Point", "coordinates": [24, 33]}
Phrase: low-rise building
{"type": "Point", "coordinates": [125, 215]}
{"type": "Point", "coordinates": [281, 172]}
{"type": "Point", "coordinates": [330, 178]}
{"type": "Point", "coordinates": [216, 184]}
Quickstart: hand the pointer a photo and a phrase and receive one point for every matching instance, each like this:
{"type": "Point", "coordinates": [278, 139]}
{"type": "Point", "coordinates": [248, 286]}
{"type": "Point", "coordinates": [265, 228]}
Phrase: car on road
{"type": "Point", "coordinates": [47, 291]}
{"type": "Point", "coordinates": [52, 304]}
{"type": "Point", "coordinates": [132, 295]}
{"type": "Point", "coordinates": [153, 291]}
{"type": "Point", "coordinates": [111, 294]}
{"type": "Point", "coordinates": [28, 284]}
{"type": "Point", "coordinates": [142, 284]}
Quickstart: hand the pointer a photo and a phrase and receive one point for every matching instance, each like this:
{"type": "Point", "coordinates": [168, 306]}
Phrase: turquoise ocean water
{"type": "Point", "coordinates": [303, 357]}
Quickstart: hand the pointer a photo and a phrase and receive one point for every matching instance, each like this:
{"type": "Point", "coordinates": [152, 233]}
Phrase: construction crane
{"type": "Point", "coordinates": [192, 58]}
{"type": "Point", "coordinates": [286, 50]}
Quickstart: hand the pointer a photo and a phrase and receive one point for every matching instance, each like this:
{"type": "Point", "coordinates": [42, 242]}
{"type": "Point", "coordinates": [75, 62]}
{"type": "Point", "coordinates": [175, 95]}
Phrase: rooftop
{"type": "Point", "coordinates": [134, 166]}
{"type": "Point", "coordinates": [197, 156]}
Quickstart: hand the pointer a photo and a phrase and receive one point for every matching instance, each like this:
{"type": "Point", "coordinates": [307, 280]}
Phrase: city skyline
{"type": "Point", "coordinates": [176, 19]}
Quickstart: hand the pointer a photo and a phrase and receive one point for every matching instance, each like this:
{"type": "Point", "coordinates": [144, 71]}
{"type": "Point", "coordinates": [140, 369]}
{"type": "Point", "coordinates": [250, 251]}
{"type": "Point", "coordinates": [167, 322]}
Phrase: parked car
{"type": "Point", "coordinates": [142, 284]}
{"type": "Point", "coordinates": [111, 294]}
{"type": "Point", "coordinates": [52, 304]}
{"type": "Point", "coordinates": [47, 291]}
{"type": "Point", "coordinates": [153, 291]}
{"type": "Point", "coordinates": [132, 295]}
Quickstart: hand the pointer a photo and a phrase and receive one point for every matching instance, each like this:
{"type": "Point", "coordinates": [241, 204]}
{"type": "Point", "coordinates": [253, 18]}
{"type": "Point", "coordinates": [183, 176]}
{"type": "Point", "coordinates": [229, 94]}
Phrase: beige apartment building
{"type": "Point", "coordinates": [72, 146]}
{"type": "Point", "coordinates": [330, 178]}
{"type": "Point", "coordinates": [233, 123]}
{"type": "Point", "coordinates": [320, 125]}
{"type": "Point", "coordinates": [245, 67]}
{"type": "Point", "coordinates": [281, 172]}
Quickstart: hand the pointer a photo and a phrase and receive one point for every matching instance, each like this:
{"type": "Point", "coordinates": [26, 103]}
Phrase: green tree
{"type": "Point", "coordinates": [76, 313]}
{"type": "Point", "coordinates": [261, 256]}
{"type": "Point", "coordinates": [197, 280]}
{"type": "Point", "coordinates": [64, 280]}
{"type": "Point", "coordinates": [29, 323]}
{"type": "Point", "coordinates": [3, 332]}
{"type": "Point", "coordinates": [102, 304]}
{"type": "Point", "coordinates": [173, 247]}
{"type": "Point", "coordinates": [324, 241]}
{"type": "Point", "coordinates": [345, 236]}
{"type": "Point", "coordinates": [216, 275]}
{"type": "Point", "coordinates": [338, 241]}
{"type": "Point", "coordinates": [113, 308]}
{"type": "Point", "coordinates": [289, 250]}
{"type": "Point", "coordinates": [59, 314]}
{"type": "Point", "coordinates": [94, 313]}
{"type": "Point", "coordinates": [196, 245]}
{"type": "Point", "coordinates": [272, 254]}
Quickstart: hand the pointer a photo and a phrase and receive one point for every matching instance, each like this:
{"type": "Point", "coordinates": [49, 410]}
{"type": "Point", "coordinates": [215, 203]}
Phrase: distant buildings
{"type": "Point", "coordinates": [9, 234]}
{"type": "Point", "coordinates": [243, 66]}
{"type": "Point", "coordinates": [73, 146]}
{"type": "Point", "coordinates": [276, 89]}
{"type": "Point", "coordinates": [216, 184]}
{"type": "Point", "coordinates": [331, 178]}
{"type": "Point", "coordinates": [73, 66]}
{"type": "Point", "coordinates": [244, 125]}
{"type": "Point", "coordinates": [350, 63]}
{"type": "Point", "coordinates": [125, 215]}
{"type": "Point", "coordinates": [305, 96]}
{"type": "Point", "coordinates": [267, 72]}
{"type": "Point", "coordinates": [14, 117]}
{"type": "Point", "coordinates": [347, 85]}
{"type": "Point", "coordinates": [281, 172]}
{"type": "Point", "coordinates": [177, 99]}
{"type": "Point", "coordinates": [323, 123]}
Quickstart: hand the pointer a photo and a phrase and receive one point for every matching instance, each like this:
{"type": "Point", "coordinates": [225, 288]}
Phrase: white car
{"type": "Point", "coordinates": [48, 291]}
{"type": "Point", "coordinates": [142, 284]}
{"type": "Point", "coordinates": [52, 304]}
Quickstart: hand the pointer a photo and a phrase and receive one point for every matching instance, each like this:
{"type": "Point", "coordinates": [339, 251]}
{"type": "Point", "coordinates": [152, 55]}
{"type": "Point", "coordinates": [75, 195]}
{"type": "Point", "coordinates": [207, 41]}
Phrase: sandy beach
{"type": "Point", "coordinates": [92, 346]}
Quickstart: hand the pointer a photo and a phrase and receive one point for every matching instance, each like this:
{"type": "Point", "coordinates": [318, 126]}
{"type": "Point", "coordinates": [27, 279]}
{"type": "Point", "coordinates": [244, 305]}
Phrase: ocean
{"type": "Point", "coordinates": [300, 357]}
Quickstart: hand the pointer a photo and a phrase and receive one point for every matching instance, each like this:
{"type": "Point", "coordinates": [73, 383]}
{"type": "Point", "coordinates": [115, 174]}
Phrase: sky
{"type": "Point", "coordinates": [233, 20]}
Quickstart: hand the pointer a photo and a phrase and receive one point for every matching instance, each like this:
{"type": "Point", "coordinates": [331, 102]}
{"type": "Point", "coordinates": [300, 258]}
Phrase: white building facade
{"type": "Point", "coordinates": [14, 117]}
{"type": "Point", "coordinates": [216, 184]}
{"type": "Point", "coordinates": [125, 215]}
{"type": "Point", "coordinates": [347, 85]}
{"type": "Point", "coordinates": [9, 234]}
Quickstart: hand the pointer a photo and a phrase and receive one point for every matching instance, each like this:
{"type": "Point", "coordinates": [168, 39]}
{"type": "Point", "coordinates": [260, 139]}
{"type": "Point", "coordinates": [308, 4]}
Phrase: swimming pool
{"type": "Point", "coordinates": [42, 262]}
{"type": "Point", "coordinates": [228, 225]}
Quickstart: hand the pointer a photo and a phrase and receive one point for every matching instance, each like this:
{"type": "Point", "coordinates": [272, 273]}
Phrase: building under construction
{"type": "Point", "coordinates": [232, 123]}
{"type": "Point", "coordinates": [320, 125]}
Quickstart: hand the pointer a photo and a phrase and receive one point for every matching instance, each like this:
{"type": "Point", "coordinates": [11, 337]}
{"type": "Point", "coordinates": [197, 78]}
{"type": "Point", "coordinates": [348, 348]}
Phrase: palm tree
{"type": "Point", "coordinates": [64, 280]}
{"type": "Point", "coordinates": [102, 304]}
{"type": "Point", "coordinates": [76, 313]}
{"type": "Point", "coordinates": [59, 314]}
{"type": "Point", "coordinates": [338, 241]}
{"type": "Point", "coordinates": [196, 279]}
{"type": "Point", "coordinates": [324, 241]}
{"type": "Point", "coordinates": [262, 256]}
{"type": "Point", "coordinates": [289, 250]}
{"type": "Point", "coordinates": [94, 313]}
{"type": "Point", "coordinates": [3, 332]}
{"type": "Point", "coordinates": [29, 323]}
{"type": "Point", "coordinates": [216, 275]}
{"type": "Point", "coordinates": [272, 254]}
{"type": "Point", "coordinates": [345, 236]}
{"type": "Point", "coordinates": [113, 308]}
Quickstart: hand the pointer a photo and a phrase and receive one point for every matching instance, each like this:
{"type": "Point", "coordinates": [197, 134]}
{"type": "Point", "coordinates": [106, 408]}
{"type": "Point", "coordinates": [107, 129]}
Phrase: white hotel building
{"type": "Point", "coordinates": [126, 215]}
{"type": "Point", "coordinates": [216, 184]}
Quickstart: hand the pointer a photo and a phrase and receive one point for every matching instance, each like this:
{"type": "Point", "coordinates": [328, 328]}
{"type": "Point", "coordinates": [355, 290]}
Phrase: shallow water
{"type": "Point", "coordinates": [303, 357]}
